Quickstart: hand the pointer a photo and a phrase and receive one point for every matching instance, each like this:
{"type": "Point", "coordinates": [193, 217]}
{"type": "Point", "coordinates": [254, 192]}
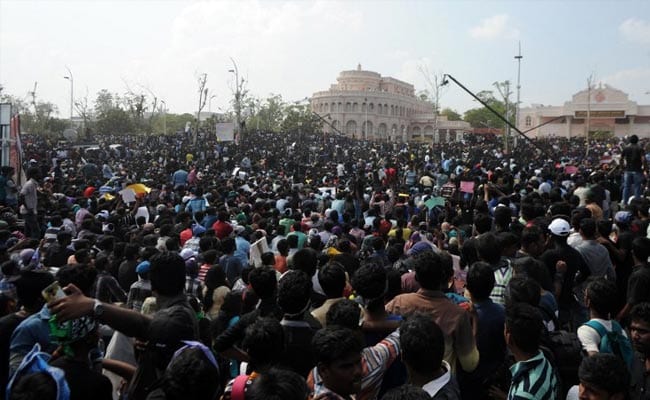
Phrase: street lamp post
{"type": "Point", "coordinates": [366, 130]}
{"type": "Point", "coordinates": [70, 78]}
{"type": "Point", "coordinates": [237, 94]}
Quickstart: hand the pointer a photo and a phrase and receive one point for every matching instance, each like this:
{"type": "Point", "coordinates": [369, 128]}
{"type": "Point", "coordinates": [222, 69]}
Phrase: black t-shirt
{"type": "Point", "coordinates": [84, 383]}
{"type": "Point", "coordinates": [638, 284]}
{"type": "Point", "coordinates": [633, 155]}
{"type": "Point", "coordinates": [575, 263]}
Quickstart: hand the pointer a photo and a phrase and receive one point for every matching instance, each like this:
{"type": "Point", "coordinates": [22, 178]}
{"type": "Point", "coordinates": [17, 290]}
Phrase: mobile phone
{"type": "Point", "coordinates": [53, 292]}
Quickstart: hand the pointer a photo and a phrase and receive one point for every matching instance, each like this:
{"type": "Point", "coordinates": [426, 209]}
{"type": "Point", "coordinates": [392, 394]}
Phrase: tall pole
{"type": "Point", "coordinates": [237, 94]}
{"type": "Point", "coordinates": [71, 79]}
{"type": "Point", "coordinates": [210, 103]}
{"type": "Point", "coordinates": [518, 57]}
{"type": "Point", "coordinates": [589, 83]}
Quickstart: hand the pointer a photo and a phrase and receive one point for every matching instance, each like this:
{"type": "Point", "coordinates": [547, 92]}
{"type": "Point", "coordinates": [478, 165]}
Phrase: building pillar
{"type": "Point", "coordinates": [567, 126]}
{"type": "Point", "coordinates": [459, 135]}
{"type": "Point", "coordinates": [631, 130]}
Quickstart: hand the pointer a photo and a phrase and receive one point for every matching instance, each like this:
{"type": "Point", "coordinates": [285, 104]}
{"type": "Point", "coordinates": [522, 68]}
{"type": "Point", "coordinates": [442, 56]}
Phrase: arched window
{"type": "Point", "coordinates": [371, 107]}
{"type": "Point", "coordinates": [351, 127]}
{"type": "Point", "coordinates": [355, 107]}
{"type": "Point", "coordinates": [363, 107]}
{"type": "Point", "coordinates": [348, 107]}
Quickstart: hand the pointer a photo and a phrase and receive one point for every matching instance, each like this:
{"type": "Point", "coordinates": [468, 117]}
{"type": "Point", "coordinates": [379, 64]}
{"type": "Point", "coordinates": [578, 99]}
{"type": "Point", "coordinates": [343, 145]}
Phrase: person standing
{"type": "Point", "coordinates": [29, 203]}
{"type": "Point", "coordinates": [634, 164]}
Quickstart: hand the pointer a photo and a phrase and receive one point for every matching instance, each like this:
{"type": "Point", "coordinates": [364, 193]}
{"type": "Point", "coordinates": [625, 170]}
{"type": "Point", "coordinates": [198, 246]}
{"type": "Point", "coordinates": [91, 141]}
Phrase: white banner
{"type": "Point", "coordinates": [225, 131]}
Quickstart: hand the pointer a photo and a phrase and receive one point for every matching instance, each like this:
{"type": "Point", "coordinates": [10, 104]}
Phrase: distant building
{"type": "Point", "coordinates": [366, 105]}
{"type": "Point", "coordinates": [610, 113]}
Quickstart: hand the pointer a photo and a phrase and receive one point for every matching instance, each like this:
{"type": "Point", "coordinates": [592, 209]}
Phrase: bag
{"type": "Point", "coordinates": [614, 342]}
{"type": "Point", "coordinates": [564, 350]}
{"type": "Point", "coordinates": [239, 388]}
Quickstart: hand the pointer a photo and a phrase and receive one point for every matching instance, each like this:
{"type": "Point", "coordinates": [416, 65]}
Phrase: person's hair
{"type": "Point", "coordinates": [268, 258]}
{"type": "Point", "coordinates": [228, 245]}
{"type": "Point", "coordinates": [263, 281]}
{"type": "Point", "coordinates": [641, 312]}
{"type": "Point", "coordinates": [588, 227]}
{"type": "Point", "coordinates": [131, 251]}
{"type": "Point", "coordinates": [423, 343]}
{"type": "Point", "coordinates": [332, 279]}
{"type": "Point", "coordinates": [605, 371]}
{"type": "Point", "coordinates": [482, 223]}
{"type": "Point", "coordinates": [278, 384]}
{"type": "Point", "coordinates": [305, 260]}
{"type": "Point", "coordinates": [535, 269]}
{"type": "Point", "coordinates": [283, 247]}
{"type": "Point", "coordinates": [469, 253]}
{"type": "Point", "coordinates": [264, 342]}
{"type": "Point", "coordinates": [602, 295]}
{"type": "Point", "coordinates": [210, 256]}
{"type": "Point", "coordinates": [34, 386]}
{"type": "Point", "coordinates": [428, 270]}
{"type": "Point", "coordinates": [480, 280]}
{"type": "Point", "coordinates": [522, 289]}
{"type": "Point", "coordinates": [634, 139]}
{"type": "Point", "coordinates": [488, 249]}
{"type": "Point", "coordinates": [191, 375]}
{"type": "Point", "coordinates": [81, 275]}
{"type": "Point", "coordinates": [167, 273]}
{"type": "Point", "coordinates": [530, 234]}
{"type": "Point", "coordinates": [502, 217]}
{"type": "Point", "coordinates": [345, 313]}
{"type": "Point", "coordinates": [334, 343]}
{"type": "Point", "coordinates": [525, 325]}
{"type": "Point", "coordinates": [294, 292]}
{"type": "Point", "coordinates": [29, 287]}
{"type": "Point", "coordinates": [406, 392]}
{"type": "Point", "coordinates": [369, 281]}
{"type": "Point", "coordinates": [641, 248]}
{"type": "Point", "coordinates": [214, 278]}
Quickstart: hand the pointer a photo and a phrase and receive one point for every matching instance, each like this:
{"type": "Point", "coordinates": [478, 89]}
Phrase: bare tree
{"type": "Point", "coordinates": [505, 92]}
{"type": "Point", "coordinates": [84, 110]}
{"type": "Point", "coordinates": [435, 83]}
{"type": "Point", "coordinates": [203, 99]}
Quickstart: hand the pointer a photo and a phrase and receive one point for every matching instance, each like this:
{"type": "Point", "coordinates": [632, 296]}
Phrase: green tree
{"type": "Point", "coordinates": [298, 117]}
{"type": "Point", "coordinates": [482, 117]}
{"type": "Point", "coordinates": [268, 115]}
{"type": "Point", "coordinates": [115, 121]}
{"type": "Point", "coordinates": [451, 115]}
{"type": "Point", "coordinates": [105, 102]}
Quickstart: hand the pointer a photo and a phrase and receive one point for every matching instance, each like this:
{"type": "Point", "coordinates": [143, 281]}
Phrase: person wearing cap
{"type": "Point", "coordinates": [141, 289]}
{"type": "Point", "coordinates": [562, 262]}
{"type": "Point", "coordinates": [165, 330]}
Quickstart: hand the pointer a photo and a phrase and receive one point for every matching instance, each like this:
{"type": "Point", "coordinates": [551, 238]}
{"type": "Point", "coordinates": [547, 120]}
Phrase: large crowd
{"type": "Point", "coordinates": [314, 266]}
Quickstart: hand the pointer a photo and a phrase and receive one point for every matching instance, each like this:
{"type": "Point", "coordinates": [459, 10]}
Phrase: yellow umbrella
{"type": "Point", "coordinates": [139, 188]}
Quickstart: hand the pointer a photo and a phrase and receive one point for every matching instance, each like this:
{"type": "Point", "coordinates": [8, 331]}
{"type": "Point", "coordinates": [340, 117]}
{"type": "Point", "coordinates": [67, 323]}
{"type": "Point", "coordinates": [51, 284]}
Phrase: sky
{"type": "Point", "coordinates": [296, 48]}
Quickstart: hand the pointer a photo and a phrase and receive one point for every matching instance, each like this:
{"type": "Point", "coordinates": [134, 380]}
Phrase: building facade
{"type": "Point", "coordinates": [603, 110]}
{"type": "Point", "coordinates": [365, 105]}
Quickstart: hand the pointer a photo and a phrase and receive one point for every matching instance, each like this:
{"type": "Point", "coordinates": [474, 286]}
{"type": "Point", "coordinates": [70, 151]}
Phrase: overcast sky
{"type": "Point", "coordinates": [297, 48]}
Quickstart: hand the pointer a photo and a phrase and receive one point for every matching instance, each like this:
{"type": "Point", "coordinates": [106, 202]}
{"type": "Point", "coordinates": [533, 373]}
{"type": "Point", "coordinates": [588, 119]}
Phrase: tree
{"type": "Point", "coordinates": [85, 112]}
{"type": "Point", "coordinates": [269, 114]}
{"type": "Point", "coordinates": [105, 102]}
{"type": "Point", "coordinates": [115, 121]}
{"type": "Point", "coordinates": [482, 117]}
{"type": "Point", "coordinates": [451, 115]}
{"type": "Point", "coordinates": [203, 98]}
{"type": "Point", "coordinates": [299, 118]}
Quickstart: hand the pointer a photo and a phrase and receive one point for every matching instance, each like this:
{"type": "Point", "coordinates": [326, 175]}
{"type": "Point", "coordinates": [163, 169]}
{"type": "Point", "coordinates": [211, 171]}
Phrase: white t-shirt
{"type": "Point", "coordinates": [590, 339]}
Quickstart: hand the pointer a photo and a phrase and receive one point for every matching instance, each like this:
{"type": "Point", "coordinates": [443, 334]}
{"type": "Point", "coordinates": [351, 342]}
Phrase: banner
{"type": "Point", "coordinates": [225, 131]}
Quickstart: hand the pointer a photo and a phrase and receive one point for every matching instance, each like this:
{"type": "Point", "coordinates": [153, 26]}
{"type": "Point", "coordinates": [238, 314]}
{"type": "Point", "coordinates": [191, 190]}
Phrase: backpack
{"type": "Point", "coordinates": [564, 351]}
{"type": "Point", "coordinates": [614, 342]}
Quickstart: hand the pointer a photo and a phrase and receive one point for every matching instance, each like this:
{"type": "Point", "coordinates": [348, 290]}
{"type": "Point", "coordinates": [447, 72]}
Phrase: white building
{"type": "Point", "coordinates": [365, 105]}
{"type": "Point", "coordinates": [610, 113]}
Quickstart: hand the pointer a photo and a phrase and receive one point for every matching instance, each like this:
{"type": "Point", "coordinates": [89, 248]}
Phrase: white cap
{"type": "Point", "coordinates": [559, 227]}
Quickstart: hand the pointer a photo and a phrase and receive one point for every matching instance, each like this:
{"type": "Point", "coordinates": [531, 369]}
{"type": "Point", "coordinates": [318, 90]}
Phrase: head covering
{"type": "Point", "coordinates": [419, 247]}
{"type": "Point", "coordinates": [198, 230]}
{"type": "Point", "coordinates": [143, 267]}
{"type": "Point", "coordinates": [187, 253]}
{"type": "Point", "coordinates": [623, 217]}
{"type": "Point", "coordinates": [103, 214]}
{"type": "Point", "coordinates": [89, 191]}
{"type": "Point", "coordinates": [26, 256]}
{"type": "Point", "coordinates": [559, 227]}
{"type": "Point", "coordinates": [37, 361]}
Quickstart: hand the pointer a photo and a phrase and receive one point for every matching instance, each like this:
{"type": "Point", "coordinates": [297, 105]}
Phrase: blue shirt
{"type": "Point", "coordinates": [534, 379]}
{"type": "Point", "coordinates": [34, 329]}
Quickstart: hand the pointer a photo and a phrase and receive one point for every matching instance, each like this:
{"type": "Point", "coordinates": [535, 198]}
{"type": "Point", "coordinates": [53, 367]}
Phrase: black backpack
{"type": "Point", "coordinates": [564, 351]}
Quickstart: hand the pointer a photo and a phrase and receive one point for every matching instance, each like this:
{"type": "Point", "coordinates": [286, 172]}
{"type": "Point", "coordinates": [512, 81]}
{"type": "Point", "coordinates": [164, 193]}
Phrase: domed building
{"type": "Point", "coordinates": [365, 105]}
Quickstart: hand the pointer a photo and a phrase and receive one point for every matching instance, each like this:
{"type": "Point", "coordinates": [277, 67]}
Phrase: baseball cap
{"type": "Point", "coordinates": [623, 217]}
{"type": "Point", "coordinates": [559, 227]}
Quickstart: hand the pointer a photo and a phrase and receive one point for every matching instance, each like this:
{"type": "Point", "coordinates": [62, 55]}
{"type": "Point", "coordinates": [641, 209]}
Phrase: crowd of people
{"type": "Point", "coordinates": [313, 266]}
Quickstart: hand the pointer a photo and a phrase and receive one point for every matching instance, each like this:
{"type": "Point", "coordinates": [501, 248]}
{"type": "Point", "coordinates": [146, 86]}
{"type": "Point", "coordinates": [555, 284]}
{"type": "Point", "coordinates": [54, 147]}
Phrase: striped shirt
{"type": "Point", "coordinates": [502, 276]}
{"type": "Point", "coordinates": [375, 361]}
{"type": "Point", "coordinates": [534, 379]}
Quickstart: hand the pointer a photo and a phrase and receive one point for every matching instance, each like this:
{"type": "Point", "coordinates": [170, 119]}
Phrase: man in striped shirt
{"type": "Point", "coordinates": [533, 376]}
